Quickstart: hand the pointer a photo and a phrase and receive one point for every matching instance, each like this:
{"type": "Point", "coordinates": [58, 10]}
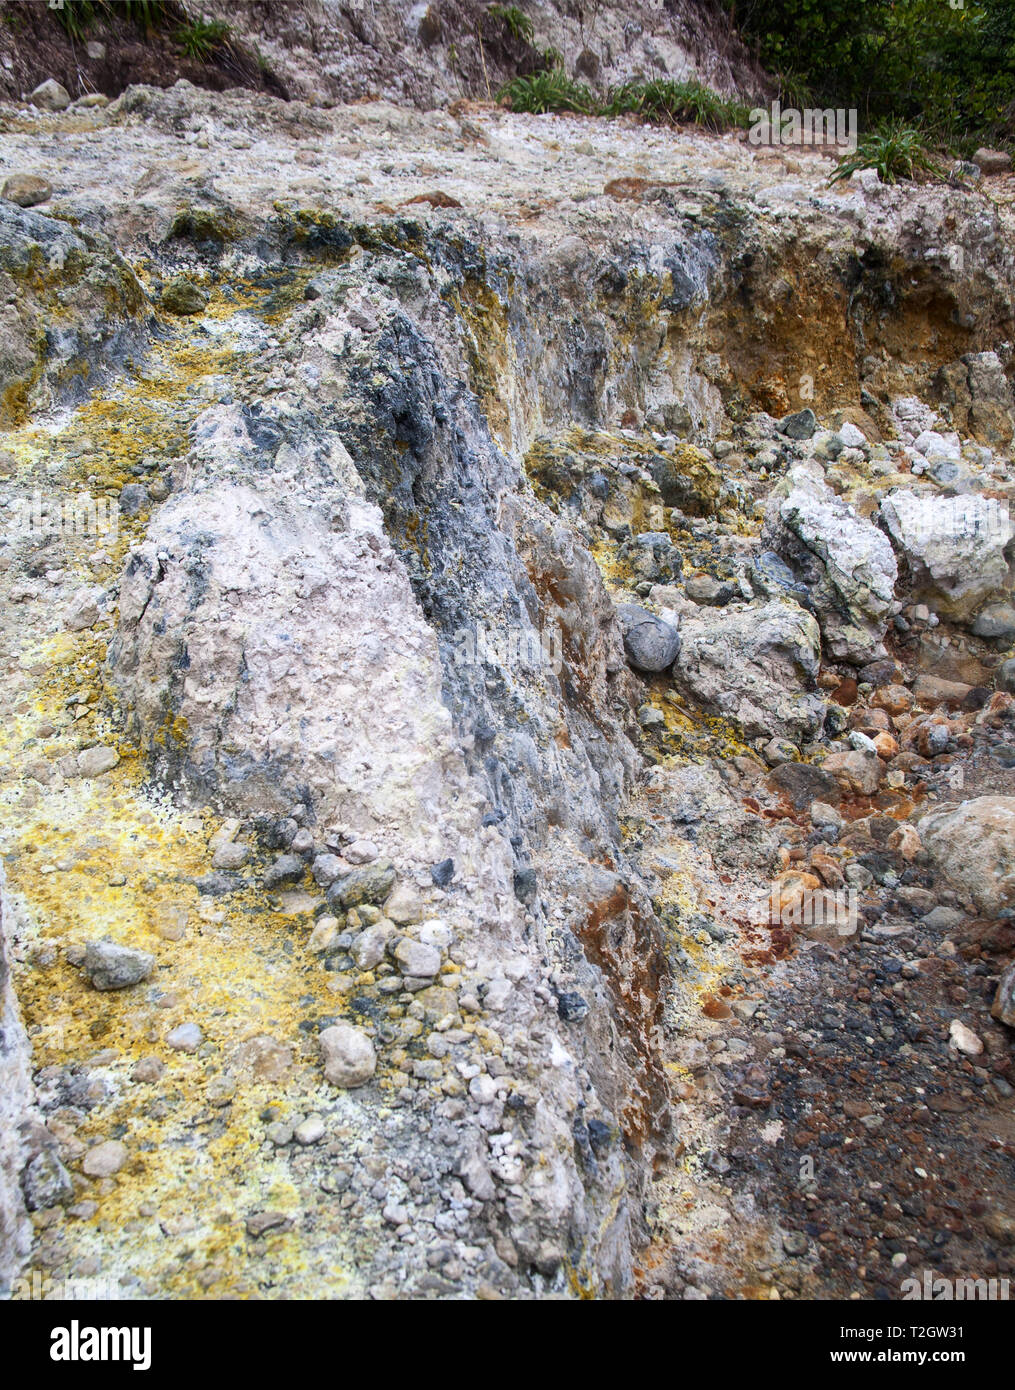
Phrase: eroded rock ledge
{"type": "Point", "coordinates": [512, 585]}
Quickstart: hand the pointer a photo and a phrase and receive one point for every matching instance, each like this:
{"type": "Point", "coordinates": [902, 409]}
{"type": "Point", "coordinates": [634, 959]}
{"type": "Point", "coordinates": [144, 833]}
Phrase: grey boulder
{"type": "Point", "coordinates": [650, 642]}
{"type": "Point", "coordinates": [846, 561]}
{"type": "Point", "coordinates": [109, 966]}
{"type": "Point", "coordinates": [50, 96]}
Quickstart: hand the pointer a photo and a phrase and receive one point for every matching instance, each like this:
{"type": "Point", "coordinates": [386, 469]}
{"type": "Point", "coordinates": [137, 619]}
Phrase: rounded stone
{"type": "Point", "coordinates": [368, 948]}
{"type": "Point", "coordinates": [311, 1131]}
{"type": "Point", "coordinates": [185, 1038]}
{"type": "Point", "coordinates": [230, 856]}
{"type": "Point", "coordinates": [50, 96]}
{"type": "Point", "coordinates": [417, 958]}
{"type": "Point", "coordinates": [997, 620]}
{"type": "Point", "coordinates": [109, 966]}
{"type": "Point", "coordinates": [26, 190]}
{"type": "Point", "coordinates": [651, 643]}
{"type": "Point", "coordinates": [105, 1159]}
{"type": "Point", "coordinates": [349, 1056]}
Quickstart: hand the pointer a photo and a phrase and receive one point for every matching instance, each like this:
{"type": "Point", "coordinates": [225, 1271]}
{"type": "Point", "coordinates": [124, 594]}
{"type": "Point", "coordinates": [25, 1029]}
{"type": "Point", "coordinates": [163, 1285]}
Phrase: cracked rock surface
{"type": "Point", "coordinates": [448, 668]}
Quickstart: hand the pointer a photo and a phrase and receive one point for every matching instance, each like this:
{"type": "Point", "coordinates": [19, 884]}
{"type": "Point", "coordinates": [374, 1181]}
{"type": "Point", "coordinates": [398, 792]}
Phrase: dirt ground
{"type": "Point", "coordinates": [34, 46]}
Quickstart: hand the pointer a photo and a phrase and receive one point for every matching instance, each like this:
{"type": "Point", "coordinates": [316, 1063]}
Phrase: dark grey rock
{"type": "Point", "coordinates": [651, 643]}
{"type": "Point", "coordinates": [287, 868]}
{"type": "Point", "coordinates": [133, 499]}
{"type": "Point", "coordinates": [996, 620]}
{"type": "Point", "coordinates": [800, 425]}
{"type": "Point", "coordinates": [369, 884]}
{"type": "Point", "coordinates": [110, 966]}
{"type": "Point", "coordinates": [600, 1137]}
{"type": "Point", "coordinates": [278, 834]}
{"type": "Point", "coordinates": [572, 1007]}
{"type": "Point", "coordinates": [326, 868]}
{"type": "Point", "coordinates": [653, 556]}
{"type": "Point", "coordinates": [45, 1182]}
{"type": "Point", "coordinates": [525, 885]}
{"type": "Point", "coordinates": [217, 884]}
{"type": "Point", "coordinates": [804, 783]}
{"type": "Point", "coordinates": [443, 873]}
{"type": "Point", "coordinates": [836, 721]}
{"type": "Point", "coordinates": [772, 576]}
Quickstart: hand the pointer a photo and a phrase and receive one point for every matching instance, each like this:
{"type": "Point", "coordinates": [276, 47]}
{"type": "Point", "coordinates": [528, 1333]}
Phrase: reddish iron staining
{"type": "Point", "coordinates": [622, 943]}
{"type": "Point", "coordinates": [713, 1007]}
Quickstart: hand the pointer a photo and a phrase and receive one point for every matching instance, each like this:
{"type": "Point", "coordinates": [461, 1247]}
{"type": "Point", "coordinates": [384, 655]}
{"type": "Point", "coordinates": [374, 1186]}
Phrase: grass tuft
{"type": "Point", "coordinates": [661, 101]}
{"type": "Point", "coordinates": [896, 151]}
{"type": "Point", "coordinates": [550, 90]}
{"type": "Point", "coordinates": [201, 39]}
{"type": "Point", "coordinates": [77, 16]}
{"type": "Point", "coordinates": [666, 102]}
{"type": "Point", "coordinates": [515, 21]}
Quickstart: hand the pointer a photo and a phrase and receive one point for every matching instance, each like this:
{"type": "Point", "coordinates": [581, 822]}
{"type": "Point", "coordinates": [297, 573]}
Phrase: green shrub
{"type": "Point", "coordinates": [917, 61]}
{"type": "Point", "coordinates": [515, 21]}
{"type": "Point", "coordinates": [896, 151]}
{"type": "Point", "coordinates": [660, 101]}
{"type": "Point", "coordinates": [77, 16]}
{"type": "Point", "coordinates": [664, 101]}
{"type": "Point", "coordinates": [200, 39]}
{"type": "Point", "coordinates": [550, 90]}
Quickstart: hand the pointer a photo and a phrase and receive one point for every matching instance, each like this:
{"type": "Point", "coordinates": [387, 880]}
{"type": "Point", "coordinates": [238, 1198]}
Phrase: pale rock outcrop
{"type": "Point", "coordinates": [251, 613]}
{"type": "Point", "coordinates": [973, 845]}
{"type": "Point", "coordinates": [753, 665]}
{"type": "Point", "coordinates": [845, 560]}
{"type": "Point", "coordinates": [287, 619]}
{"type": "Point", "coordinates": [954, 548]}
{"type": "Point", "coordinates": [16, 1100]}
{"type": "Point", "coordinates": [425, 53]}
